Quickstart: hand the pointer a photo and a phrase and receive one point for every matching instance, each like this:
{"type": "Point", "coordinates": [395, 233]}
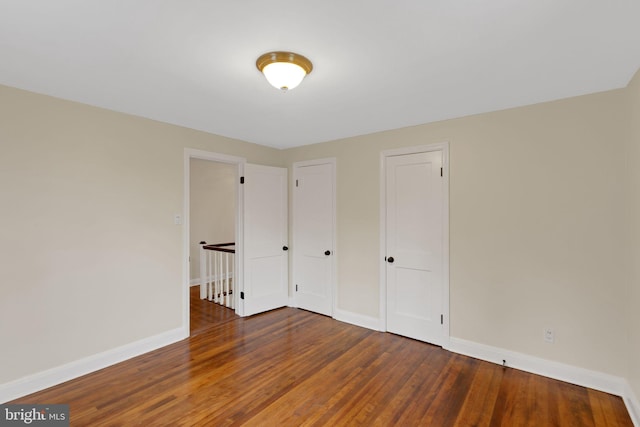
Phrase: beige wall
{"type": "Point", "coordinates": [634, 233]}
{"type": "Point", "coordinates": [212, 208]}
{"type": "Point", "coordinates": [536, 210]}
{"type": "Point", "coordinates": [91, 259]}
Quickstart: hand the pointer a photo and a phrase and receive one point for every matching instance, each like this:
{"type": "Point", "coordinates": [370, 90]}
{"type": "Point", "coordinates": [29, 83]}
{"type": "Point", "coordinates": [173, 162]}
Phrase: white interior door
{"type": "Point", "coordinates": [265, 239]}
{"type": "Point", "coordinates": [414, 245]}
{"type": "Point", "coordinates": [314, 225]}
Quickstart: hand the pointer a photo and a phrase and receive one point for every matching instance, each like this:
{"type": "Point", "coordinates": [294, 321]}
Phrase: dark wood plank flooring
{"type": "Point", "coordinates": [290, 367]}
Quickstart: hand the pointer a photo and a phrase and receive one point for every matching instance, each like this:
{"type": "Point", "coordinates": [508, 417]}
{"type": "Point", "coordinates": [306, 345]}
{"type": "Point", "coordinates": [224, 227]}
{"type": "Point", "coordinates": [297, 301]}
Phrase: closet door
{"type": "Point", "coordinates": [414, 245]}
{"type": "Point", "coordinates": [314, 231]}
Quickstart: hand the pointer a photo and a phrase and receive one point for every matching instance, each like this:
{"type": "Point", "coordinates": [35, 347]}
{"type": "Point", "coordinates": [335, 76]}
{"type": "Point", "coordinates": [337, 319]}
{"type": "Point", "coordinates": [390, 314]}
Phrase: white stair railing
{"type": "Point", "coordinates": [217, 264]}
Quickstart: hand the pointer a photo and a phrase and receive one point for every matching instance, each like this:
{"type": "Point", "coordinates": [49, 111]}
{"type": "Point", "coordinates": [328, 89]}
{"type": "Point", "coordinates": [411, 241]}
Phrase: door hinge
{"type": "Point", "coordinates": [442, 319]}
{"type": "Point", "coordinates": [296, 182]}
{"type": "Point", "coordinates": [242, 180]}
{"type": "Point", "coordinates": [241, 295]}
{"type": "Point", "coordinates": [296, 288]}
{"type": "Point", "coordinates": [440, 171]}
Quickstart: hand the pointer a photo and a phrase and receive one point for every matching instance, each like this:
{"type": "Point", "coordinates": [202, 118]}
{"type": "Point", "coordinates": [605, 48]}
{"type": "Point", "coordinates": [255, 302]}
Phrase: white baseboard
{"type": "Point", "coordinates": [357, 319]}
{"type": "Point", "coordinates": [196, 281]}
{"type": "Point", "coordinates": [559, 371]}
{"type": "Point", "coordinates": [45, 379]}
{"type": "Point", "coordinates": [633, 405]}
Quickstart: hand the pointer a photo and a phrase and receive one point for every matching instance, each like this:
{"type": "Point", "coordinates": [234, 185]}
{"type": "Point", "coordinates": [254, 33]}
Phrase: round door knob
{"type": "Point", "coordinates": [390, 260]}
{"type": "Point", "coordinates": [285, 248]}
{"type": "Point", "coordinates": [327, 252]}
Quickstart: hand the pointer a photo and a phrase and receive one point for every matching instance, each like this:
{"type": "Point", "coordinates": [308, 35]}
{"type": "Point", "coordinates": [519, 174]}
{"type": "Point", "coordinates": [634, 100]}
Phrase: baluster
{"type": "Point", "coordinates": [203, 270]}
{"type": "Point", "coordinates": [209, 275]}
{"type": "Point", "coordinates": [219, 277]}
{"type": "Point", "coordinates": [221, 300]}
{"type": "Point", "coordinates": [226, 279]}
{"type": "Point", "coordinates": [214, 275]}
{"type": "Point", "coordinates": [233, 278]}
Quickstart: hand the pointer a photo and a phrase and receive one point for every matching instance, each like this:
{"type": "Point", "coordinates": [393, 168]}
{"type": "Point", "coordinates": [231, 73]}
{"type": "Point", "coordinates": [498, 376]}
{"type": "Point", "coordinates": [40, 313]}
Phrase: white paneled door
{"type": "Point", "coordinates": [314, 225]}
{"type": "Point", "coordinates": [414, 245]}
{"type": "Point", "coordinates": [265, 239]}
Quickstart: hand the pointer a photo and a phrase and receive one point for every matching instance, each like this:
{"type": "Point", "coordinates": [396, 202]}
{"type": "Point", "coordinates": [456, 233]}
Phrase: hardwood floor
{"type": "Point", "coordinates": [205, 314]}
{"type": "Point", "coordinates": [290, 367]}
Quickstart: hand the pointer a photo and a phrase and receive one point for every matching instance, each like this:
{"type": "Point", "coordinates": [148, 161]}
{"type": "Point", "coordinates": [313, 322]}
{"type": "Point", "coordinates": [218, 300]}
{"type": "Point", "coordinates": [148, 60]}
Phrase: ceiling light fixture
{"type": "Point", "coordinates": [284, 70]}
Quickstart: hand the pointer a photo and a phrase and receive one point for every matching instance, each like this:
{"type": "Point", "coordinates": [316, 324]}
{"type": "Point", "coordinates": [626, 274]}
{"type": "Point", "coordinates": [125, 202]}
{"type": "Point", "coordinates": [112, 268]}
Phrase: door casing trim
{"type": "Point", "coordinates": [191, 153]}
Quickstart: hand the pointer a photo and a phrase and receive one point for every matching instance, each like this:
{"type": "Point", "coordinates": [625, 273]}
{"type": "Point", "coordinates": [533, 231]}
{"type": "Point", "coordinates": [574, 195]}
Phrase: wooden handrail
{"type": "Point", "coordinates": [220, 247]}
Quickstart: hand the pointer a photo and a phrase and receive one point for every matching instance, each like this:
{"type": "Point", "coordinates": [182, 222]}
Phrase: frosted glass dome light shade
{"type": "Point", "coordinates": [284, 70]}
{"type": "Point", "coordinates": [284, 75]}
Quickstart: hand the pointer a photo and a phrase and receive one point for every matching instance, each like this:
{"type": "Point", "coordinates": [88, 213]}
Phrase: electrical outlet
{"type": "Point", "coordinates": [549, 335]}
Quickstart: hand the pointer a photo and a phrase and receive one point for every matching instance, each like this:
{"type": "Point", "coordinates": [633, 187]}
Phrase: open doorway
{"type": "Point", "coordinates": [212, 219]}
{"type": "Point", "coordinates": [212, 206]}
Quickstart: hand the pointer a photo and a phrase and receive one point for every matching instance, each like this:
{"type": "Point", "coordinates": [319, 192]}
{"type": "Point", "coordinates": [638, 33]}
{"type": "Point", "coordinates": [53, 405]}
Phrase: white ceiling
{"type": "Point", "coordinates": [378, 64]}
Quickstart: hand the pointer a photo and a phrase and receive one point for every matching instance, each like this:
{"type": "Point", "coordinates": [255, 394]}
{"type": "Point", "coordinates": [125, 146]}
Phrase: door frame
{"type": "Point", "coordinates": [334, 257]}
{"type": "Point", "coordinates": [444, 148]}
{"type": "Point", "coordinates": [191, 153]}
